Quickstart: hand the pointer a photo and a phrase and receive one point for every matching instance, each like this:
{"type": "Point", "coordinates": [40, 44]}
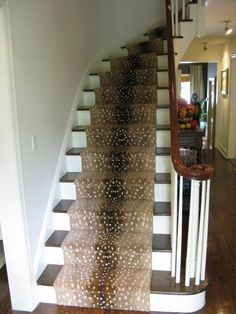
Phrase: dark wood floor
{"type": "Point", "coordinates": [221, 292]}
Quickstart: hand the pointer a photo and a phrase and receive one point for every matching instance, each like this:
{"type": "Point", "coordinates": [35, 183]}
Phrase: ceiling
{"type": "Point", "coordinates": [216, 12]}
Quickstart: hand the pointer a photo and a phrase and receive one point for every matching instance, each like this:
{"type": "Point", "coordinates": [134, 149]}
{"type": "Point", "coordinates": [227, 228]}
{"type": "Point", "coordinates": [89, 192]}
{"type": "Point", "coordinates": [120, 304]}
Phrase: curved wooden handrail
{"type": "Point", "coordinates": [197, 172]}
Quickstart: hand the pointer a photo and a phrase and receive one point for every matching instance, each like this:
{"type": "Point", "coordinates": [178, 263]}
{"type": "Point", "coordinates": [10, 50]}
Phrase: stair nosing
{"type": "Point", "coordinates": [57, 237]}
{"type": "Point", "coordinates": [54, 269]}
{"type": "Point", "coordinates": [166, 212]}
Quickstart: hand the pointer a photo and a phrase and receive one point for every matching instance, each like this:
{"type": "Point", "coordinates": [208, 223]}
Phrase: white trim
{"type": "Point", "coordinates": [174, 303]}
{"type": "Point", "coordinates": [13, 210]}
{"type": "Point", "coordinates": [45, 231]}
{"type": "Point", "coordinates": [222, 149]}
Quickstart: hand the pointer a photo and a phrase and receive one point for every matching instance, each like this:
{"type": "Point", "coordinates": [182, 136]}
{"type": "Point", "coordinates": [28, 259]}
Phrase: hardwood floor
{"type": "Point", "coordinates": [221, 292]}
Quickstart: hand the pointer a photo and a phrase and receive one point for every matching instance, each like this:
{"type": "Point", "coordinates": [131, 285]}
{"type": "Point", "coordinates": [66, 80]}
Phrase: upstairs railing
{"type": "Point", "coordinates": [199, 175]}
{"type": "Point", "coordinates": [180, 12]}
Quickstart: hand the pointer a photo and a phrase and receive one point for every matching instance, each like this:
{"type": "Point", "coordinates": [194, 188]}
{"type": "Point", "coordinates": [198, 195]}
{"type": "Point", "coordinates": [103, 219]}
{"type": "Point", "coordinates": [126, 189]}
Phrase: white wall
{"type": "Point", "coordinates": [53, 41]}
{"type": "Point", "coordinates": [228, 112]}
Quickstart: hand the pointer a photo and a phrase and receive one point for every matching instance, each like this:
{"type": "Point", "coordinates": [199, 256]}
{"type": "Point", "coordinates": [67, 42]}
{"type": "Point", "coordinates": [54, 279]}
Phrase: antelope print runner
{"type": "Point", "coordinates": [108, 250]}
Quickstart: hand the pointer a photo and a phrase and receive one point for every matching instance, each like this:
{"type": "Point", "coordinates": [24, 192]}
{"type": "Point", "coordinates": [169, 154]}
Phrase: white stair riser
{"type": "Point", "coordinates": [88, 97]}
{"type": "Point", "coordinates": [163, 79]}
{"type": "Point", "coordinates": [163, 164]}
{"type": "Point", "coordinates": [162, 62]}
{"type": "Point", "coordinates": [162, 139]}
{"type": "Point", "coordinates": [74, 164]}
{"type": "Point", "coordinates": [158, 301]}
{"type": "Point", "coordinates": [161, 224]}
{"type": "Point", "coordinates": [160, 260]}
{"type": "Point", "coordinates": [163, 96]}
{"type": "Point", "coordinates": [93, 81]}
{"type": "Point", "coordinates": [163, 116]}
{"type": "Point", "coordinates": [162, 302]}
{"type": "Point", "coordinates": [84, 117]}
{"type": "Point", "coordinates": [105, 66]}
{"type": "Point", "coordinates": [161, 192]}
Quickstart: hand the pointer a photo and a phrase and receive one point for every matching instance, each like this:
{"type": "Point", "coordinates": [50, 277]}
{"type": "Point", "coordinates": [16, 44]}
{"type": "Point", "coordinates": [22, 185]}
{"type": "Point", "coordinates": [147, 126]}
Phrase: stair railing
{"type": "Point", "coordinates": [199, 176]}
{"type": "Point", "coordinates": [180, 13]}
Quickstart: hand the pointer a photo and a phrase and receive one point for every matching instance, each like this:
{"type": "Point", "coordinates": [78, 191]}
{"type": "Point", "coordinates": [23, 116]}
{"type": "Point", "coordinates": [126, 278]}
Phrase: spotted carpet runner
{"type": "Point", "coordinates": [109, 248]}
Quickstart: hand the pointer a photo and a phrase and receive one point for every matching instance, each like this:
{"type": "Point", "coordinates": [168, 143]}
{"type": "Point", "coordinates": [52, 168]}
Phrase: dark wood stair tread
{"type": "Point", "coordinates": [63, 206]}
{"type": "Point", "coordinates": [75, 151]}
{"type": "Point", "coordinates": [79, 128]}
{"type": "Point", "coordinates": [69, 177]}
{"type": "Point", "coordinates": [83, 108]}
{"type": "Point", "coordinates": [162, 87]}
{"type": "Point", "coordinates": [163, 151]}
{"type": "Point", "coordinates": [163, 106]}
{"type": "Point", "coordinates": [162, 178]}
{"type": "Point", "coordinates": [162, 209]}
{"type": "Point", "coordinates": [56, 238]}
{"type": "Point", "coordinates": [162, 282]}
{"type": "Point", "coordinates": [161, 242]}
{"type": "Point", "coordinates": [49, 275]}
{"type": "Point", "coordinates": [163, 127]}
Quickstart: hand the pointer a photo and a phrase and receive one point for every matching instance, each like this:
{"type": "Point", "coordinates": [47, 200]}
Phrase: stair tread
{"type": "Point", "coordinates": [159, 106]}
{"type": "Point", "coordinates": [49, 275]}
{"type": "Point", "coordinates": [83, 108]}
{"type": "Point", "coordinates": [89, 90]}
{"type": "Point", "coordinates": [162, 282]}
{"type": "Point", "coordinates": [160, 178]}
{"type": "Point", "coordinates": [70, 177]}
{"type": "Point", "coordinates": [163, 127]}
{"type": "Point", "coordinates": [163, 151]}
{"type": "Point", "coordinates": [160, 208]}
{"type": "Point", "coordinates": [97, 73]}
{"type": "Point", "coordinates": [80, 128]}
{"type": "Point", "coordinates": [56, 238]}
{"type": "Point", "coordinates": [74, 151]}
{"type": "Point", "coordinates": [63, 206]}
{"type": "Point", "coordinates": [161, 242]}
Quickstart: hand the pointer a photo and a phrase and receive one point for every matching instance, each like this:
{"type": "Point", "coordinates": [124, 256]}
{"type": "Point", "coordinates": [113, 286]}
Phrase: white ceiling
{"type": "Point", "coordinates": [216, 12]}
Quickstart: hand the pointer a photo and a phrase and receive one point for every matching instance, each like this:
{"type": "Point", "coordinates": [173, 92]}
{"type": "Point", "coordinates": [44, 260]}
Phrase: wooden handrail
{"type": "Point", "coordinates": [197, 172]}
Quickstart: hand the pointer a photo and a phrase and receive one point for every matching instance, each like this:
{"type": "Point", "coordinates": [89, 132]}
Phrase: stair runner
{"type": "Point", "coordinates": [108, 250]}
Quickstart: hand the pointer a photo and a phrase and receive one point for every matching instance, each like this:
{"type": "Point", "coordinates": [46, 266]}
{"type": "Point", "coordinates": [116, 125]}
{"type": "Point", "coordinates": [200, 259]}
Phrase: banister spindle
{"type": "Point", "coordinates": [200, 236]}
{"type": "Point", "coordinates": [205, 232]}
{"type": "Point", "coordinates": [174, 202]}
{"type": "Point", "coordinates": [183, 9]}
{"type": "Point", "coordinates": [179, 233]}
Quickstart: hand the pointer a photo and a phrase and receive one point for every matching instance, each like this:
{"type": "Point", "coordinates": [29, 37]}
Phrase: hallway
{"type": "Point", "coordinates": [221, 250]}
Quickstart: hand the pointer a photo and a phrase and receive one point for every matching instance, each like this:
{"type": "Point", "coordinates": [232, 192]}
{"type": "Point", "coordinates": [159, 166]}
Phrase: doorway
{"type": "Point", "coordinates": [211, 112]}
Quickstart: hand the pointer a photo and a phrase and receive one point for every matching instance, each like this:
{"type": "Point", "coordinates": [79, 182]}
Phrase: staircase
{"type": "Point", "coordinates": [111, 245]}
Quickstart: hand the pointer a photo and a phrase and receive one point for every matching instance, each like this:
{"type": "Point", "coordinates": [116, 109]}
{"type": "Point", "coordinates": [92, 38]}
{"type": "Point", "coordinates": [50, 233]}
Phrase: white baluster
{"type": "Point", "coordinates": [172, 16]}
{"type": "Point", "coordinates": [176, 18]}
{"type": "Point", "coordinates": [205, 233]}
{"type": "Point", "coordinates": [179, 234]}
{"type": "Point", "coordinates": [200, 237]}
{"type": "Point", "coordinates": [195, 228]}
{"type": "Point", "coordinates": [189, 241]}
{"type": "Point", "coordinates": [183, 9]}
{"type": "Point", "coordinates": [174, 220]}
